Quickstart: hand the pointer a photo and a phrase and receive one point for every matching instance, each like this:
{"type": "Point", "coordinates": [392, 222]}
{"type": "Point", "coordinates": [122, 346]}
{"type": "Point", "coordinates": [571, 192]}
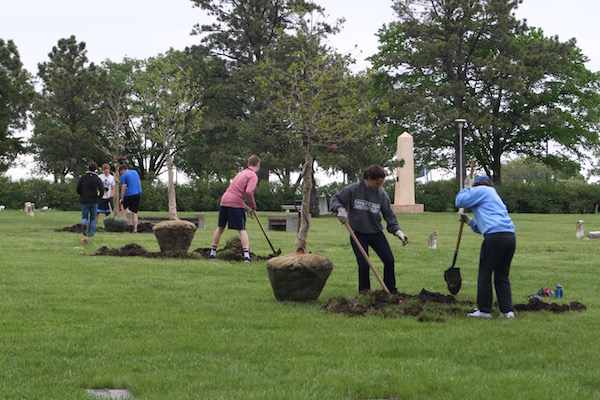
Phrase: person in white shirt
{"type": "Point", "coordinates": [105, 204]}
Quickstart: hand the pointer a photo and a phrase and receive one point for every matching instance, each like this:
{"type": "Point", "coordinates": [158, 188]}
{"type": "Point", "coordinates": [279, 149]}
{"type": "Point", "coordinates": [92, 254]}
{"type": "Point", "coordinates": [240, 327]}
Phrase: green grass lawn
{"type": "Point", "coordinates": [196, 329]}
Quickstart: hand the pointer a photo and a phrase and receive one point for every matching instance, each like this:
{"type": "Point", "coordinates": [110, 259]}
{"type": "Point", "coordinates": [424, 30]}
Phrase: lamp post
{"type": "Point", "coordinates": [461, 123]}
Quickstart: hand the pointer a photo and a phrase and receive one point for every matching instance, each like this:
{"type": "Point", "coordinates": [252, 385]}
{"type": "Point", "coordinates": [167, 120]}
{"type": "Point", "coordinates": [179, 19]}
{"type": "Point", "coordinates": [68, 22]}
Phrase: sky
{"type": "Point", "coordinates": [113, 29]}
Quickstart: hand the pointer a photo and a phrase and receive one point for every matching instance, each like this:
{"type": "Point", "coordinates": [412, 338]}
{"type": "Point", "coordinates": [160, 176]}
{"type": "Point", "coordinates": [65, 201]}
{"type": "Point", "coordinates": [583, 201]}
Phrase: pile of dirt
{"type": "Point", "coordinates": [231, 252]}
{"type": "Point", "coordinates": [144, 227]}
{"type": "Point", "coordinates": [538, 305]}
{"type": "Point", "coordinates": [426, 306]}
{"type": "Point", "coordinates": [135, 250]}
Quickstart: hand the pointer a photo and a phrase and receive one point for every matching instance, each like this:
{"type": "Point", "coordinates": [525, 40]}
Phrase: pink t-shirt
{"type": "Point", "coordinates": [241, 187]}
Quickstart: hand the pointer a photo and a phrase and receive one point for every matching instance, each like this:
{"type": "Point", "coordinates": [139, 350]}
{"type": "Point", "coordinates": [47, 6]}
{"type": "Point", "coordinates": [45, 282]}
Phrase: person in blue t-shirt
{"type": "Point", "coordinates": [498, 247]}
{"type": "Point", "coordinates": [131, 190]}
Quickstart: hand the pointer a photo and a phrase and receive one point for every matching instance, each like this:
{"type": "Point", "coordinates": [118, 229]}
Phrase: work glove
{"type": "Point", "coordinates": [342, 215]}
{"type": "Point", "coordinates": [402, 237]}
{"type": "Point", "coordinates": [468, 183]}
{"type": "Point", "coordinates": [465, 218]}
{"type": "Point", "coordinates": [251, 213]}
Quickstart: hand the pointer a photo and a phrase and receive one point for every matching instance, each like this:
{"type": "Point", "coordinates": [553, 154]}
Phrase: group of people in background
{"type": "Point", "coordinates": [96, 195]}
{"type": "Point", "coordinates": [360, 204]}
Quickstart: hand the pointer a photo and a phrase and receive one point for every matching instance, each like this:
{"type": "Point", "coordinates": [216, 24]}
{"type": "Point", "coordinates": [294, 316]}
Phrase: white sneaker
{"type": "Point", "coordinates": [508, 315]}
{"type": "Point", "coordinates": [479, 314]}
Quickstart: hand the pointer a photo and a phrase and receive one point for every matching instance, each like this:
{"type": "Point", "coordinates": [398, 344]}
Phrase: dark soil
{"type": "Point", "coordinates": [426, 306]}
{"type": "Point", "coordinates": [231, 252]}
{"type": "Point", "coordinates": [143, 227]}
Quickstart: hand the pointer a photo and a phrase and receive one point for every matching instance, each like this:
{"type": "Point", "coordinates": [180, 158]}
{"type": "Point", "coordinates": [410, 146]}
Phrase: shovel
{"type": "Point", "coordinates": [275, 253]}
{"type": "Point", "coordinates": [364, 254]}
{"type": "Point", "coordinates": [452, 274]}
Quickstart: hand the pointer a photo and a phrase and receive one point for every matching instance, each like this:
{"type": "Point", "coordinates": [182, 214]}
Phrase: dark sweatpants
{"type": "Point", "coordinates": [379, 243]}
{"type": "Point", "coordinates": [496, 254]}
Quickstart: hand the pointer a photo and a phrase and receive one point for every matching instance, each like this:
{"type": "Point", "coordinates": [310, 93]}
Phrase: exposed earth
{"type": "Point", "coordinates": [426, 306]}
{"type": "Point", "coordinates": [143, 227]}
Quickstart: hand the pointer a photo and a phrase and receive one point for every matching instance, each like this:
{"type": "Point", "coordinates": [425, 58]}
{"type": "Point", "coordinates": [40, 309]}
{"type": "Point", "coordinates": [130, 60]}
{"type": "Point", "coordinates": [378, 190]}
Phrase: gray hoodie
{"type": "Point", "coordinates": [365, 207]}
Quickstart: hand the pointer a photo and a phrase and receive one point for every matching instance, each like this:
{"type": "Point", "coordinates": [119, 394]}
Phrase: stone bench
{"type": "Point", "coordinates": [289, 207]}
{"type": "Point", "coordinates": [287, 222]}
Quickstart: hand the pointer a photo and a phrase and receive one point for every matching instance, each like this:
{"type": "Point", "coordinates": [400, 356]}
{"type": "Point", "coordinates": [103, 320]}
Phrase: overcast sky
{"type": "Point", "coordinates": [113, 29]}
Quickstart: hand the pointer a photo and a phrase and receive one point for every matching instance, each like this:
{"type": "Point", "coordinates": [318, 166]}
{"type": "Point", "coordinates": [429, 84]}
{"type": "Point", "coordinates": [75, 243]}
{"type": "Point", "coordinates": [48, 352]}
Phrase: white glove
{"type": "Point", "coordinates": [342, 215]}
{"type": "Point", "coordinates": [251, 213]}
{"type": "Point", "coordinates": [468, 183]}
{"type": "Point", "coordinates": [465, 218]}
{"type": "Point", "coordinates": [402, 237]}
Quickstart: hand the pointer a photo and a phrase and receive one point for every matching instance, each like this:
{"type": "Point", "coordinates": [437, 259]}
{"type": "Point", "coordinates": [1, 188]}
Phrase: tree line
{"type": "Point", "coordinates": [262, 80]}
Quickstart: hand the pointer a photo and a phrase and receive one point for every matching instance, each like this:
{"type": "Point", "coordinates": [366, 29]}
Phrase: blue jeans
{"type": "Point", "coordinates": [88, 216]}
{"type": "Point", "coordinates": [379, 243]}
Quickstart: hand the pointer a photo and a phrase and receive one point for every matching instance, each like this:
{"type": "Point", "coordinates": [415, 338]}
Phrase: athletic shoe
{"type": "Point", "coordinates": [247, 260]}
{"type": "Point", "coordinates": [85, 229]}
{"type": "Point", "coordinates": [212, 257]}
{"type": "Point", "coordinates": [479, 314]}
{"type": "Point", "coordinates": [508, 315]}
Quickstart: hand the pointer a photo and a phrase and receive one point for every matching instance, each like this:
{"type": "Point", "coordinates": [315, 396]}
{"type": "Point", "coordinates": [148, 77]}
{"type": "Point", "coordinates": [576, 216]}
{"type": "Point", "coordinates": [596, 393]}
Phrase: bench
{"type": "Point", "coordinates": [287, 222]}
{"type": "Point", "coordinates": [289, 207]}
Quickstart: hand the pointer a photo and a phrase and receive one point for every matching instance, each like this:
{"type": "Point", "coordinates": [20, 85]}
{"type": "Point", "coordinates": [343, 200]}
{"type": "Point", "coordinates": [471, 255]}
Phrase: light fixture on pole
{"type": "Point", "coordinates": [461, 123]}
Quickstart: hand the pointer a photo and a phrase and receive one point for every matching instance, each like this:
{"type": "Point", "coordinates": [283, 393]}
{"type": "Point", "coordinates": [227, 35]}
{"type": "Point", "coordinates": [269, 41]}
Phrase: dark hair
{"type": "Point", "coordinates": [122, 167]}
{"type": "Point", "coordinates": [92, 166]}
{"type": "Point", "coordinates": [253, 161]}
{"type": "Point", "coordinates": [374, 172]}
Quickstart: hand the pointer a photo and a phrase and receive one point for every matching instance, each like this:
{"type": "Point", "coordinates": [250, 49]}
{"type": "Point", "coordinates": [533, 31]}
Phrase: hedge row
{"type": "Point", "coordinates": [563, 197]}
{"type": "Point", "coordinates": [196, 196]}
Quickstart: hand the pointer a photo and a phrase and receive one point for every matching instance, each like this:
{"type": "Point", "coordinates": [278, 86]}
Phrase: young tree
{"type": "Point", "coordinates": [169, 105]}
{"type": "Point", "coordinates": [16, 96]}
{"type": "Point", "coordinates": [315, 101]}
{"type": "Point", "coordinates": [67, 117]}
{"type": "Point", "coordinates": [472, 59]}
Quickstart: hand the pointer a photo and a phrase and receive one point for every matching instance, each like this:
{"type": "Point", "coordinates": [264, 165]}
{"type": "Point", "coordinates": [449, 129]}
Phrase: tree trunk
{"type": "Point", "coordinates": [171, 190]}
{"type": "Point", "coordinates": [306, 189]}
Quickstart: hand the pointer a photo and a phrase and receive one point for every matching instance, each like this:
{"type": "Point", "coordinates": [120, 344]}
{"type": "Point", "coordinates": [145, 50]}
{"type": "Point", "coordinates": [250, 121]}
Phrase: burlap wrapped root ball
{"type": "Point", "coordinates": [174, 235]}
{"type": "Point", "coordinates": [115, 223]}
{"type": "Point", "coordinates": [298, 277]}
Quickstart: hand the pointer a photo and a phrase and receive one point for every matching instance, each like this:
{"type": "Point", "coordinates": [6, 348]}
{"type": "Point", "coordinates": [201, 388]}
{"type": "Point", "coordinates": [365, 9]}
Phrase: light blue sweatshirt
{"type": "Point", "coordinates": [490, 212]}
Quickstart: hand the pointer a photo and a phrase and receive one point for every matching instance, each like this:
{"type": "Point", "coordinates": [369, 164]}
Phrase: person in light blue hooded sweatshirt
{"type": "Point", "coordinates": [499, 243]}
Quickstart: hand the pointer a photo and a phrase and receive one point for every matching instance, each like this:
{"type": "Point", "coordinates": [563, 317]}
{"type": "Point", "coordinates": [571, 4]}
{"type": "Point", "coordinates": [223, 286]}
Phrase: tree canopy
{"type": "Point", "coordinates": [67, 118]}
{"type": "Point", "coordinates": [16, 97]}
{"type": "Point", "coordinates": [472, 59]}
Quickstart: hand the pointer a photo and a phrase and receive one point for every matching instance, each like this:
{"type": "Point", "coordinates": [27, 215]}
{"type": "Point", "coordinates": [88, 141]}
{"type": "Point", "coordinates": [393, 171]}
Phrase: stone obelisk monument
{"type": "Point", "coordinates": [404, 198]}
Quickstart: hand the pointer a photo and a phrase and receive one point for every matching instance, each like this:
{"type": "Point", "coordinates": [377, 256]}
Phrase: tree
{"type": "Point", "coordinates": [169, 97]}
{"type": "Point", "coordinates": [518, 90]}
{"type": "Point", "coordinates": [67, 117]}
{"type": "Point", "coordinates": [314, 99]}
{"type": "Point", "coordinates": [243, 30]}
{"type": "Point", "coordinates": [16, 97]}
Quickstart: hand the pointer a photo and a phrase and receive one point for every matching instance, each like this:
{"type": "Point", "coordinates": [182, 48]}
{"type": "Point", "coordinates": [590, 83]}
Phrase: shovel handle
{"type": "Point", "coordinates": [364, 254]}
{"type": "Point", "coordinates": [263, 231]}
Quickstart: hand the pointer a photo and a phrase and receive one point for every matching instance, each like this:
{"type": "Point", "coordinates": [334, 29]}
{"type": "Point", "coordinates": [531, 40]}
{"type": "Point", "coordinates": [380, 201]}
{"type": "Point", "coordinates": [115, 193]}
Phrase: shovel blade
{"type": "Point", "coordinates": [453, 279]}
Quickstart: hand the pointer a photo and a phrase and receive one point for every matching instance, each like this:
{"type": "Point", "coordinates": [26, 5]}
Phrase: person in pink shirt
{"type": "Point", "coordinates": [233, 207]}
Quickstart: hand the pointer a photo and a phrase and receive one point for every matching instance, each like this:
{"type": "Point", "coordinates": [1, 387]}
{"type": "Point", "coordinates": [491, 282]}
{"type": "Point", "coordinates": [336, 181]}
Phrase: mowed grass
{"type": "Point", "coordinates": [195, 329]}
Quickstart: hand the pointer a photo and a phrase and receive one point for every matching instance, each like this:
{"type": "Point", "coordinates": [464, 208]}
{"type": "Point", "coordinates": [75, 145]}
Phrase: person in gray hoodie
{"type": "Point", "coordinates": [90, 190]}
{"type": "Point", "coordinates": [362, 204]}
